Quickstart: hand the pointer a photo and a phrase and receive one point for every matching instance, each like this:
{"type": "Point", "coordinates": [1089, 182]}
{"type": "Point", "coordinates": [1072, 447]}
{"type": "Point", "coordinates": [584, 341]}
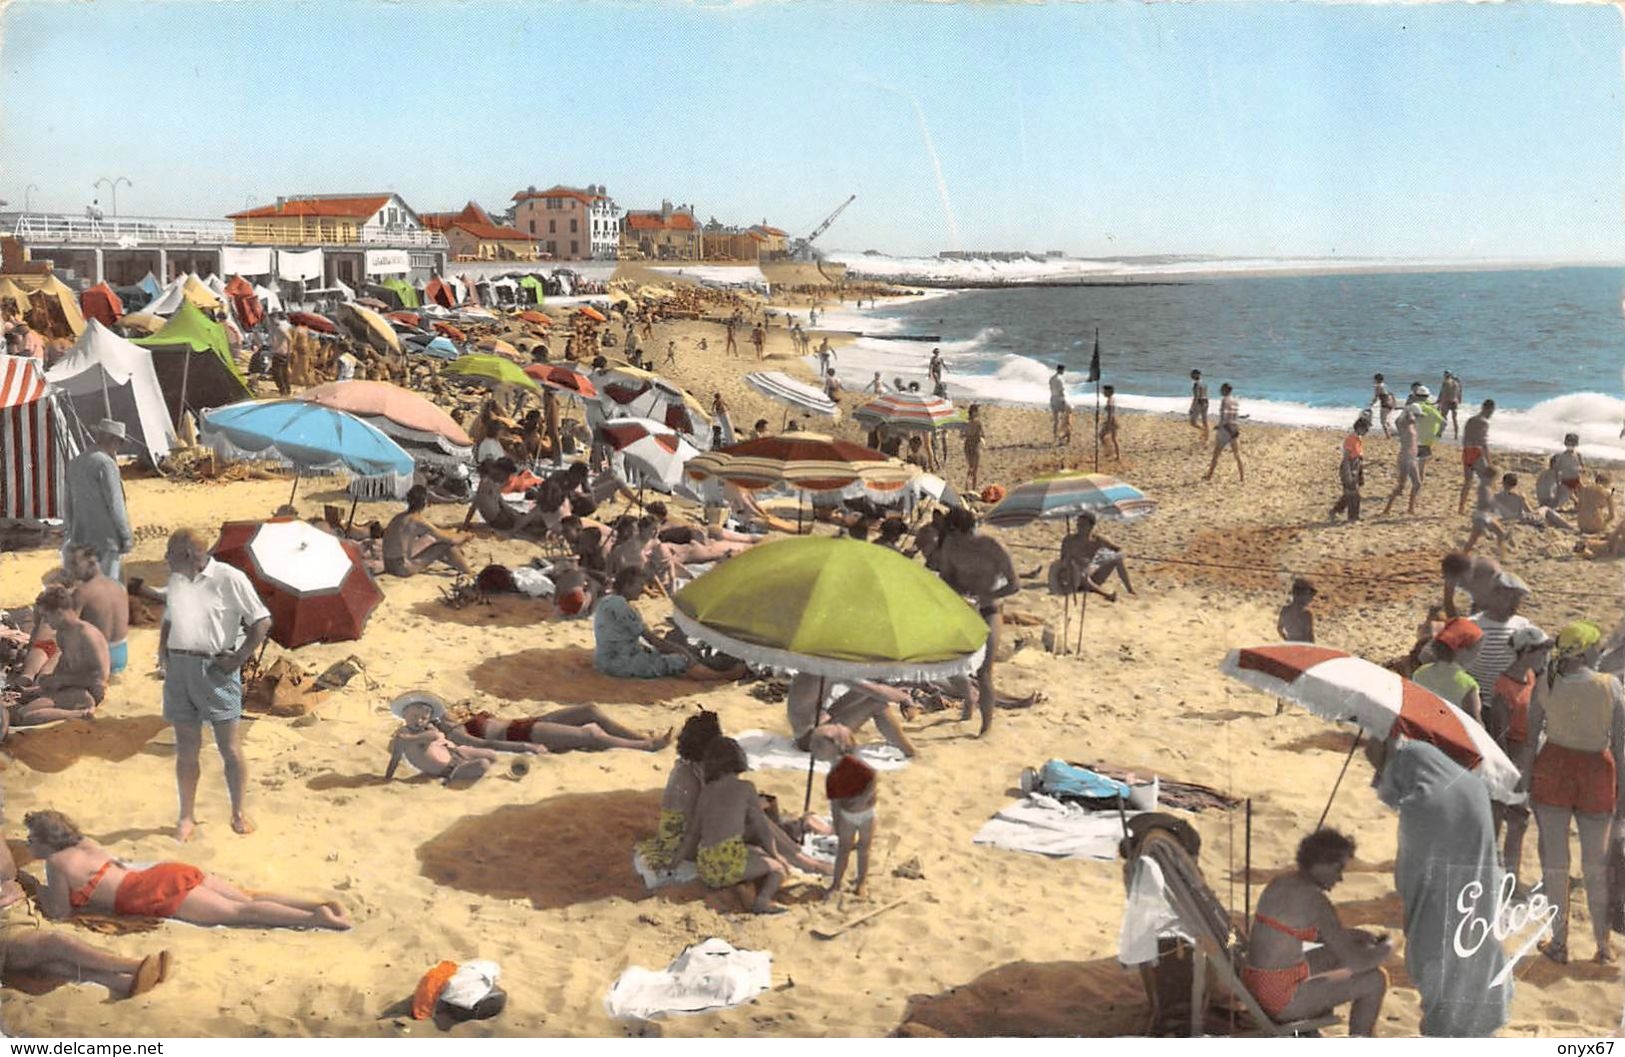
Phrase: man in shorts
{"type": "Point", "coordinates": [1059, 410]}
{"type": "Point", "coordinates": [1450, 400]}
{"type": "Point", "coordinates": [1198, 411]}
{"type": "Point", "coordinates": [202, 647]}
{"type": "Point", "coordinates": [1475, 448]}
{"type": "Point", "coordinates": [1383, 399]}
{"type": "Point", "coordinates": [1228, 435]}
{"type": "Point", "coordinates": [1410, 463]}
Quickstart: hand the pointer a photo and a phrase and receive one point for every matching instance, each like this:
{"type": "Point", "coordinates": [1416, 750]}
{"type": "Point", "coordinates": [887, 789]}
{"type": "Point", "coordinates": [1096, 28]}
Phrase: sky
{"type": "Point", "coordinates": [1470, 132]}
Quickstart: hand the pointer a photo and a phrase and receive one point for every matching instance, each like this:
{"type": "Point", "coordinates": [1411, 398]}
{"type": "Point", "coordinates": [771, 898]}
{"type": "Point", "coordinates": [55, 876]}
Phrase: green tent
{"type": "Point", "coordinates": [534, 285]}
{"type": "Point", "coordinates": [194, 363]}
{"type": "Point", "coordinates": [404, 290]}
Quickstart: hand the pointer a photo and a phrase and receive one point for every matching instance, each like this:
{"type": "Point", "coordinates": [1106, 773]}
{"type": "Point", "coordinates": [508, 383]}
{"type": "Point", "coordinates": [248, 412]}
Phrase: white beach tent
{"type": "Point", "coordinates": [104, 376]}
{"type": "Point", "coordinates": [268, 298]}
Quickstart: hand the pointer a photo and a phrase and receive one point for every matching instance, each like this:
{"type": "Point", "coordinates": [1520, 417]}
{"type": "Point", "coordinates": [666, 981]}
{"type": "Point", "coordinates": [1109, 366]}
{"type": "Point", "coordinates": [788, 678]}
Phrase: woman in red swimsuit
{"type": "Point", "coordinates": [1291, 984]}
{"type": "Point", "coordinates": [81, 875]}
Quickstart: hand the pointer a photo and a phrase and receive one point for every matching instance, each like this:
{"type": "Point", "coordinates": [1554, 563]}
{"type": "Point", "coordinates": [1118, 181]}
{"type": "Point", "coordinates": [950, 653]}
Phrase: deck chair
{"type": "Point", "coordinates": [1215, 953]}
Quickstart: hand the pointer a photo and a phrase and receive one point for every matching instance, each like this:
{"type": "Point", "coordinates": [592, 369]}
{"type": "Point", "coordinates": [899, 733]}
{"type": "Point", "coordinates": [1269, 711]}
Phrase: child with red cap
{"type": "Point", "coordinates": [1445, 676]}
{"type": "Point", "coordinates": [852, 789]}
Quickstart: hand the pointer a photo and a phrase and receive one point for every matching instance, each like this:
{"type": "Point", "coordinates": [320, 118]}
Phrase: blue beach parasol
{"type": "Point", "coordinates": [312, 439]}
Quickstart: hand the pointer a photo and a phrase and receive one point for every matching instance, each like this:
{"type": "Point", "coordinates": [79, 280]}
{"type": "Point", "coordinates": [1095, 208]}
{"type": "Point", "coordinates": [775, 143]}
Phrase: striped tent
{"type": "Point", "coordinates": [35, 444]}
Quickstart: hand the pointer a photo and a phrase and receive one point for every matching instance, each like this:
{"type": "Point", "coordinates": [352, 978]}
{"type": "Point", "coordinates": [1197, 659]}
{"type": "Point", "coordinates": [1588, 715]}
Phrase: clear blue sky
{"type": "Point", "coordinates": [1271, 129]}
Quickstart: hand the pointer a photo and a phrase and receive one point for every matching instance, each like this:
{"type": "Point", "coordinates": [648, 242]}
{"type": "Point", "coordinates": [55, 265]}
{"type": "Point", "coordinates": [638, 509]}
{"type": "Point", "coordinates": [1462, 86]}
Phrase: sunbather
{"type": "Point", "coordinates": [77, 682]}
{"type": "Point", "coordinates": [412, 545]}
{"type": "Point", "coordinates": [831, 731]}
{"type": "Point", "coordinates": [625, 648]}
{"type": "Point", "coordinates": [1293, 910]}
{"type": "Point", "coordinates": [428, 748]}
{"type": "Point", "coordinates": [81, 875]}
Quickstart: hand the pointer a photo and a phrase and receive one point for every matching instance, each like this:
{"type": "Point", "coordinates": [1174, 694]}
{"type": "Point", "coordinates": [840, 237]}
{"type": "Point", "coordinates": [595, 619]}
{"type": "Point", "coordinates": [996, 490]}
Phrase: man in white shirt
{"type": "Point", "coordinates": [1057, 401]}
{"type": "Point", "coordinates": [202, 647]}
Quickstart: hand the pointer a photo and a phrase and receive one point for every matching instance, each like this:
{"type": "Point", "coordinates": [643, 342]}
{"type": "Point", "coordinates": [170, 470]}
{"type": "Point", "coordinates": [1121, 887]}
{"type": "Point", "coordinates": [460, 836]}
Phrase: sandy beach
{"type": "Point", "coordinates": [534, 872]}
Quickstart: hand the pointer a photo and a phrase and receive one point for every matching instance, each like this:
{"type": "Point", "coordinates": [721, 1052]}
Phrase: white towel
{"type": "Point", "coordinates": [778, 752]}
{"type": "Point", "coordinates": [1045, 826]}
{"type": "Point", "coordinates": [706, 976]}
{"type": "Point", "coordinates": [1147, 917]}
{"type": "Point", "coordinates": [470, 984]}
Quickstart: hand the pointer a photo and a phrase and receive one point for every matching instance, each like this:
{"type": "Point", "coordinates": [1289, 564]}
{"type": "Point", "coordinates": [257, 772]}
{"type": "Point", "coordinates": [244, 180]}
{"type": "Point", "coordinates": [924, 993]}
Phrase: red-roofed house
{"type": "Point", "coordinates": [311, 220]}
{"type": "Point", "coordinates": [570, 223]}
{"type": "Point", "coordinates": [775, 243]}
{"type": "Point", "coordinates": [668, 233]}
{"type": "Point", "coordinates": [473, 235]}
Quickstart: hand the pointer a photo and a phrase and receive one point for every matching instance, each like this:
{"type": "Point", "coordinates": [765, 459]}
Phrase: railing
{"type": "Point", "coordinates": [129, 232]}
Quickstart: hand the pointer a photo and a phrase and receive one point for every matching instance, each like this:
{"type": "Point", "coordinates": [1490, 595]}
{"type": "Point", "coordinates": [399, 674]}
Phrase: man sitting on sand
{"type": "Point", "coordinates": [1094, 557]}
{"type": "Point", "coordinates": [78, 682]}
{"type": "Point", "coordinates": [1513, 508]}
{"type": "Point", "coordinates": [412, 545]}
{"type": "Point", "coordinates": [101, 601]}
{"type": "Point", "coordinates": [728, 811]}
{"type": "Point", "coordinates": [81, 875]}
{"type": "Point", "coordinates": [1291, 984]}
{"type": "Point", "coordinates": [1594, 506]}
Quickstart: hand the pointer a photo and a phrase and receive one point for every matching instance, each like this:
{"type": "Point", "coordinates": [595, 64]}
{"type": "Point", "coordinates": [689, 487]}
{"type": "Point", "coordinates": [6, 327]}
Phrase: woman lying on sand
{"type": "Point", "coordinates": [59, 955]}
{"type": "Point", "coordinates": [81, 875]}
{"type": "Point", "coordinates": [438, 746]}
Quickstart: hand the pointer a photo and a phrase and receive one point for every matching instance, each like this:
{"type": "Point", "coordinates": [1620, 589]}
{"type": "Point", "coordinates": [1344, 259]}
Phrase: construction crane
{"type": "Point", "coordinates": [803, 250]}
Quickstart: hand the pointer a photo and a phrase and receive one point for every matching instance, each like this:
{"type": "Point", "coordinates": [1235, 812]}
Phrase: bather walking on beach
{"type": "Point", "coordinates": [1410, 470]}
{"type": "Point", "coordinates": [1228, 435]}
{"type": "Point", "coordinates": [1059, 411]}
{"type": "Point", "coordinates": [1198, 410]}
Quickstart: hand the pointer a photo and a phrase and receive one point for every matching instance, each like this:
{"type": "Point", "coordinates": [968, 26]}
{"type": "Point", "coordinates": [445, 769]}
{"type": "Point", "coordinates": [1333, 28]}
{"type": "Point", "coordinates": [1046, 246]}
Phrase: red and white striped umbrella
{"type": "Point", "coordinates": [653, 451]}
{"type": "Point", "coordinates": [314, 584]}
{"type": "Point", "coordinates": [915, 411]}
{"type": "Point", "coordinates": [1339, 686]}
{"type": "Point", "coordinates": [562, 379]}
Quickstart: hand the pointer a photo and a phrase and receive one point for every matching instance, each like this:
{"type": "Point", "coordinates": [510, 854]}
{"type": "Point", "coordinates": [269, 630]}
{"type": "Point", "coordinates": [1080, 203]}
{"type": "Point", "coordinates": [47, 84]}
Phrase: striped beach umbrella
{"type": "Point", "coordinates": [1068, 494]}
{"type": "Point", "coordinates": [562, 379]}
{"type": "Point", "coordinates": [779, 386]}
{"type": "Point", "coordinates": [1341, 687]}
{"type": "Point", "coordinates": [316, 585]}
{"type": "Point", "coordinates": [807, 462]}
{"type": "Point", "coordinates": [652, 451]}
{"type": "Point", "coordinates": [912, 411]}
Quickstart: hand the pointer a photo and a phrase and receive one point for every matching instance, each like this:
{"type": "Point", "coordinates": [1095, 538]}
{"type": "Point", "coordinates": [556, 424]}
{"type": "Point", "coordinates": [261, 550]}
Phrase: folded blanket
{"type": "Point", "coordinates": [1044, 826]}
{"type": "Point", "coordinates": [777, 751]}
{"type": "Point", "coordinates": [706, 976]}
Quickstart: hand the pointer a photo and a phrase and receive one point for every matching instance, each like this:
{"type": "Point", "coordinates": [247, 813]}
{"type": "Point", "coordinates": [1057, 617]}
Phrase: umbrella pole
{"type": "Point", "coordinates": [1346, 760]}
{"type": "Point", "coordinates": [296, 473]}
{"type": "Point", "coordinates": [1247, 860]}
{"type": "Point", "coordinates": [349, 522]}
{"type": "Point", "coordinates": [107, 403]}
{"type": "Point", "coordinates": [180, 399]}
{"type": "Point", "coordinates": [1066, 605]}
{"type": "Point", "coordinates": [1083, 608]}
{"type": "Point", "coordinates": [812, 759]}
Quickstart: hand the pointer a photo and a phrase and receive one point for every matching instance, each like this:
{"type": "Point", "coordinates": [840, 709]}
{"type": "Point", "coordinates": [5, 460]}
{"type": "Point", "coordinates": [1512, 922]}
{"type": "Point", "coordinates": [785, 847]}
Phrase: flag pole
{"type": "Point", "coordinates": [1094, 376]}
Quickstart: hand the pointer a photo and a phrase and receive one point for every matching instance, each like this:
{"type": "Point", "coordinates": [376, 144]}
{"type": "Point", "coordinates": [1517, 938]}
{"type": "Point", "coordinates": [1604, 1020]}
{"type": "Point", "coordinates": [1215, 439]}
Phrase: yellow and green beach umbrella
{"type": "Point", "coordinates": [490, 370]}
{"type": "Point", "coordinates": [837, 608]}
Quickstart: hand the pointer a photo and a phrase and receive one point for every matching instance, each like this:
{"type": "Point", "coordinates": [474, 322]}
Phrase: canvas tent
{"type": "Point", "coordinates": [245, 302]}
{"type": "Point", "coordinates": [35, 444]}
{"type": "Point", "coordinates": [269, 298]}
{"type": "Point", "coordinates": [188, 288]}
{"type": "Point", "coordinates": [194, 364]}
{"type": "Point", "coordinates": [403, 290]}
{"type": "Point", "coordinates": [101, 303]}
{"type": "Point", "coordinates": [538, 292]}
{"type": "Point", "coordinates": [152, 286]}
{"type": "Point", "coordinates": [439, 292]}
{"type": "Point", "coordinates": [105, 376]}
{"type": "Point", "coordinates": [53, 295]}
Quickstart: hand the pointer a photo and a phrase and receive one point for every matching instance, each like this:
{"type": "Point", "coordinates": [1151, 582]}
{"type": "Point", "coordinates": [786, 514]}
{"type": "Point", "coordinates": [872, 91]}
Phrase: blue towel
{"type": "Point", "coordinates": [1065, 781]}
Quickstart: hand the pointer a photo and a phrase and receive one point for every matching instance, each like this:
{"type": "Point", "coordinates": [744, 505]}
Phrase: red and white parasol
{"type": "Point", "coordinates": [1339, 686]}
{"type": "Point", "coordinates": [653, 451]}
{"type": "Point", "coordinates": [314, 584]}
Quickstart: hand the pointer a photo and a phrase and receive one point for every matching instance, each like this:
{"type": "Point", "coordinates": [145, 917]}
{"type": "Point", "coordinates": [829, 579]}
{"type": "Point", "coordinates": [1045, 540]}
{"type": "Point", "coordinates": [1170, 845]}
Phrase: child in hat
{"type": "Point", "coordinates": [852, 789]}
{"type": "Point", "coordinates": [423, 744]}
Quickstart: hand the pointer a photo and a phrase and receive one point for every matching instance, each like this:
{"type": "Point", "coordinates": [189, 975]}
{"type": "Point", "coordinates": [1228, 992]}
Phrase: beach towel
{"type": "Point", "coordinates": [706, 976]}
{"type": "Point", "coordinates": [1148, 916]}
{"type": "Point", "coordinates": [1043, 825]}
{"type": "Point", "coordinates": [820, 846]}
{"type": "Point", "coordinates": [1070, 783]}
{"type": "Point", "coordinates": [1446, 844]}
{"type": "Point", "coordinates": [778, 752]}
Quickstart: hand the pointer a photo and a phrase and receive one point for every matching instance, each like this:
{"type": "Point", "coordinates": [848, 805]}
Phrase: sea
{"type": "Point", "coordinates": [1548, 345]}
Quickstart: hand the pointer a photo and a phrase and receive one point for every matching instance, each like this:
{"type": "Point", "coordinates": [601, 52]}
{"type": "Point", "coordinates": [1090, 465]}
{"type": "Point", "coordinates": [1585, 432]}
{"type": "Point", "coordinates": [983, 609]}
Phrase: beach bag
{"type": "Point", "coordinates": [1071, 784]}
{"type": "Point", "coordinates": [279, 690]}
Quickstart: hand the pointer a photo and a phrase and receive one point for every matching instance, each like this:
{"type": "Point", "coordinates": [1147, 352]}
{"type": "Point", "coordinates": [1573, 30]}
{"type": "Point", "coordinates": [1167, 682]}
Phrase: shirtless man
{"type": "Point", "coordinates": [1228, 435]}
{"type": "Point", "coordinates": [1475, 575]}
{"type": "Point", "coordinates": [101, 600]}
{"type": "Point", "coordinates": [1108, 428]}
{"type": "Point", "coordinates": [1475, 448]}
{"type": "Point", "coordinates": [827, 732]}
{"type": "Point", "coordinates": [426, 747]}
{"type": "Point", "coordinates": [726, 836]}
{"type": "Point", "coordinates": [402, 554]}
{"type": "Point", "coordinates": [77, 684]}
{"type": "Point", "coordinates": [1594, 506]}
{"type": "Point", "coordinates": [1410, 468]}
{"type": "Point", "coordinates": [1199, 401]}
{"type": "Point", "coordinates": [1094, 557]}
{"type": "Point", "coordinates": [980, 569]}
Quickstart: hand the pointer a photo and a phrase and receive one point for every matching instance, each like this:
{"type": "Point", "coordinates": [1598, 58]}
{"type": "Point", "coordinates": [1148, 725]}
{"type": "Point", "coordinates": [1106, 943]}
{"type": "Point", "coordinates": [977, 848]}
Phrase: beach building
{"type": "Point", "coordinates": [570, 223]}
{"type": "Point", "coordinates": [759, 242]}
{"type": "Point", "coordinates": [315, 239]}
{"type": "Point", "coordinates": [472, 235]}
{"type": "Point", "coordinates": [669, 233]}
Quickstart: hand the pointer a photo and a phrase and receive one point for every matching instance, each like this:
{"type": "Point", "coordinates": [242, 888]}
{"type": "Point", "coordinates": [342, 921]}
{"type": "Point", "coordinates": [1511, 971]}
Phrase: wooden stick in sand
{"type": "Point", "coordinates": [850, 923]}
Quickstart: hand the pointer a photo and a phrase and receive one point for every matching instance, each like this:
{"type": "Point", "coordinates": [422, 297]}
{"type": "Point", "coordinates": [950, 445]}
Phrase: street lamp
{"type": "Point", "coordinates": [27, 200]}
{"type": "Point", "coordinates": [113, 186]}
